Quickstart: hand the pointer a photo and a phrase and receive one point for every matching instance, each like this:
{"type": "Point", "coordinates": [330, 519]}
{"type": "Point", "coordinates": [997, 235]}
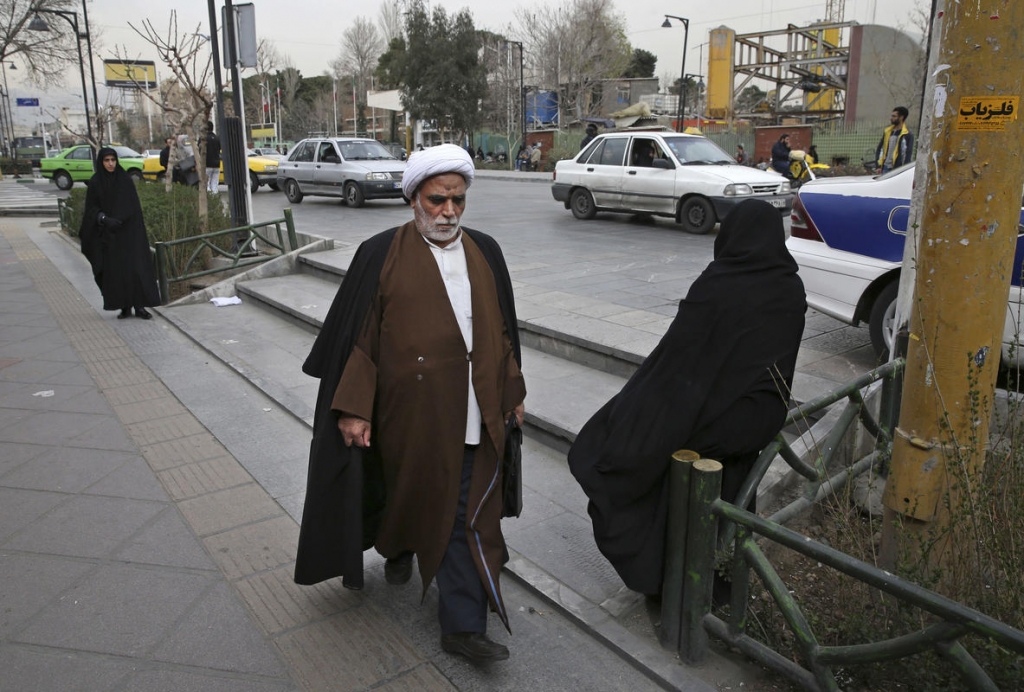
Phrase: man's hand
{"type": "Point", "coordinates": [518, 413]}
{"type": "Point", "coordinates": [354, 430]}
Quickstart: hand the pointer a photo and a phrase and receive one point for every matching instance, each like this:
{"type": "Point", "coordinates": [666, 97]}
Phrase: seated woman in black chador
{"type": "Point", "coordinates": [113, 237]}
{"type": "Point", "coordinates": [717, 384]}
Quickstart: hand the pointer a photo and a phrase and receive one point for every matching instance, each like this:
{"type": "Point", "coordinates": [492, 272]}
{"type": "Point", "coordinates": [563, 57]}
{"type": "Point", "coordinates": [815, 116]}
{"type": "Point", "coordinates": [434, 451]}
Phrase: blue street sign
{"type": "Point", "coordinates": [28, 102]}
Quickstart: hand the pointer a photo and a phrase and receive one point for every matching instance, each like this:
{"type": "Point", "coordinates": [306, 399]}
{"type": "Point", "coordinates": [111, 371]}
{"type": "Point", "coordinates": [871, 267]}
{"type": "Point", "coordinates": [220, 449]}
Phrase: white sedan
{"type": "Point", "coordinates": [847, 234]}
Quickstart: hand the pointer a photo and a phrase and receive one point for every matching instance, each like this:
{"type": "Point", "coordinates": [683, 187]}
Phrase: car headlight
{"type": "Point", "coordinates": [785, 188]}
{"type": "Point", "coordinates": [378, 176]}
{"type": "Point", "coordinates": [737, 190]}
{"type": "Point", "coordinates": [270, 169]}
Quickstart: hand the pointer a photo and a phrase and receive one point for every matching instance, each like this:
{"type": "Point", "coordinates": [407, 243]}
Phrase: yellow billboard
{"type": "Point", "coordinates": [135, 74]}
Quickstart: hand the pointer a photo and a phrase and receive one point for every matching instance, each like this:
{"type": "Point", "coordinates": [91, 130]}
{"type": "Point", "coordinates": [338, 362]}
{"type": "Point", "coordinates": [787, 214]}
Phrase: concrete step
{"type": "Point", "coordinates": [258, 339]}
{"type": "Point", "coordinates": [572, 337]}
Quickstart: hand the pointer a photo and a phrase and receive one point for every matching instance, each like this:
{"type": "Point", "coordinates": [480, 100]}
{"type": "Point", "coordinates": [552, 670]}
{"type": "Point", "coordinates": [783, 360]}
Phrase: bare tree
{"type": "Point", "coordinates": [361, 46]}
{"type": "Point", "coordinates": [573, 48]}
{"type": "Point", "coordinates": [191, 64]}
{"type": "Point", "coordinates": [501, 108]}
{"type": "Point", "coordinates": [46, 55]}
{"type": "Point", "coordinates": [389, 20]}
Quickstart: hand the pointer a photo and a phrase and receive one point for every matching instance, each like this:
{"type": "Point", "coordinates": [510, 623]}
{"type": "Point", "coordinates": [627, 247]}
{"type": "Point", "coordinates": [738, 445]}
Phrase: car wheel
{"type": "Point", "coordinates": [274, 186]}
{"type": "Point", "coordinates": [697, 215]}
{"type": "Point", "coordinates": [254, 182]}
{"type": "Point", "coordinates": [63, 180]}
{"type": "Point", "coordinates": [135, 174]}
{"type": "Point", "coordinates": [353, 195]}
{"type": "Point", "coordinates": [292, 191]}
{"type": "Point", "coordinates": [582, 204]}
{"type": "Point", "coordinates": [882, 322]}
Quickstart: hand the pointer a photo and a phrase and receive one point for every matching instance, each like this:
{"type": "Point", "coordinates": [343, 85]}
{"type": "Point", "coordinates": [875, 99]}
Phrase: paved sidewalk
{"type": "Point", "coordinates": [137, 552]}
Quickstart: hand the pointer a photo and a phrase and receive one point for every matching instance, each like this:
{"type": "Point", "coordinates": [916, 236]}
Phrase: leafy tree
{"type": "Point", "coordinates": [391, 65]}
{"type": "Point", "coordinates": [641, 64]}
{"type": "Point", "coordinates": [443, 79]}
{"type": "Point", "coordinates": [750, 99]}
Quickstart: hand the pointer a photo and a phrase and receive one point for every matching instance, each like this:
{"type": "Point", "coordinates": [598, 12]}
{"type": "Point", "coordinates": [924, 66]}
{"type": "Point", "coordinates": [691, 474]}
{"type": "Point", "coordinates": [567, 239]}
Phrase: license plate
{"type": "Point", "coordinates": [396, 186]}
{"type": "Point", "coordinates": [778, 203]}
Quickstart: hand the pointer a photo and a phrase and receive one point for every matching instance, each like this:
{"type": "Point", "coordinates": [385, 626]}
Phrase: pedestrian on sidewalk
{"type": "Point", "coordinates": [418, 361]}
{"type": "Point", "coordinates": [896, 147]}
{"type": "Point", "coordinates": [113, 237]}
{"type": "Point", "coordinates": [717, 383]}
{"type": "Point", "coordinates": [212, 160]}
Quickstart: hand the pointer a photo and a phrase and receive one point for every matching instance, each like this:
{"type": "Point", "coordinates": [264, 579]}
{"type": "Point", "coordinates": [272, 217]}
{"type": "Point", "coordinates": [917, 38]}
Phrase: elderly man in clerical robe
{"type": "Point", "coordinates": [420, 369]}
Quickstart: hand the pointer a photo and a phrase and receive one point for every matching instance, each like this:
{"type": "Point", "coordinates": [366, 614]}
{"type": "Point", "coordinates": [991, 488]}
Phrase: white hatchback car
{"type": "Point", "coordinates": [686, 177]}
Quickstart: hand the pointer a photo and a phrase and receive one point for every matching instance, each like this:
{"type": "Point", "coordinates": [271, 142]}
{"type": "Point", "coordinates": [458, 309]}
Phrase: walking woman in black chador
{"type": "Point", "coordinates": [717, 384]}
{"type": "Point", "coordinates": [114, 240]}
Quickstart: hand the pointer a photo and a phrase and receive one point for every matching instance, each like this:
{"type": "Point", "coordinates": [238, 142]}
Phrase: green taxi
{"type": "Point", "coordinates": [74, 165]}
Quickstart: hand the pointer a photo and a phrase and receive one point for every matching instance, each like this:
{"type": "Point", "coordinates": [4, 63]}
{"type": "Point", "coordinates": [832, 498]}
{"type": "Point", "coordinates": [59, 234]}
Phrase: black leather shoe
{"type": "Point", "coordinates": [125, 314]}
{"type": "Point", "coordinates": [398, 570]}
{"type": "Point", "coordinates": [475, 646]}
{"type": "Point", "coordinates": [143, 313]}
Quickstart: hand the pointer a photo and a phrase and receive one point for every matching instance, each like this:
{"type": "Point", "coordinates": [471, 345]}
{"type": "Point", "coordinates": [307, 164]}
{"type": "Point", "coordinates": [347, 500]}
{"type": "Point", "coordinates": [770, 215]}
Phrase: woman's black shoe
{"type": "Point", "coordinates": [143, 313]}
{"type": "Point", "coordinates": [124, 313]}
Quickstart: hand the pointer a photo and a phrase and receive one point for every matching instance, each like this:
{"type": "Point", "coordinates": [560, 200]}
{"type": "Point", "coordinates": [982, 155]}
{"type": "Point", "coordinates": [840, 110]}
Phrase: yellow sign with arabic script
{"type": "Point", "coordinates": [986, 113]}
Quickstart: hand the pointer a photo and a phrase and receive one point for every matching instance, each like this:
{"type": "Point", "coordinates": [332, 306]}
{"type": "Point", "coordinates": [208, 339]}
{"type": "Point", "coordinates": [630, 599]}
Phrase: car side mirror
{"type": "Point", "coordinates": [663, 163]}
{"type": "Point", "coordinates": [332, 159]}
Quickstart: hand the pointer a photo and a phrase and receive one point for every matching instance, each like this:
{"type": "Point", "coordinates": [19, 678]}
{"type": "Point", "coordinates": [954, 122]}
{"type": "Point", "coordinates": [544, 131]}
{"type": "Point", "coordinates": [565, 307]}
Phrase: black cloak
{"type": "Point", "coordinates": [122, 263]}
{"type": "Point", "coordinates": [345, 490]}
{"type": "Point", "coordinates": [717, 383]}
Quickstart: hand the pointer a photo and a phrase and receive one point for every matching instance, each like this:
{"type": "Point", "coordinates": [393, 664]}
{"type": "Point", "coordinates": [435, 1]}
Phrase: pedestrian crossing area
{"type": "Point", "coordinates": [15, 196]}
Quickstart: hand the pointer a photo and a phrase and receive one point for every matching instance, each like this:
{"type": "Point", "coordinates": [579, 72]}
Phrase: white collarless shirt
{"type": "Point", "coordinates": [451, 262]}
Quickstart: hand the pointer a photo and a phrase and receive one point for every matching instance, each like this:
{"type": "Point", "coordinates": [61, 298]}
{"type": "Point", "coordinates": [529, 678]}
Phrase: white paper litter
{"type": "Point", "coordinates": [221, 302]}
{"type": "Point", "coordinates": [45, 393]}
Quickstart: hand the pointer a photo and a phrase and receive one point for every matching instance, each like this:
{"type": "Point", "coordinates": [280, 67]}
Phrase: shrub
{"type": "Point", "coordinates": [168, 216]}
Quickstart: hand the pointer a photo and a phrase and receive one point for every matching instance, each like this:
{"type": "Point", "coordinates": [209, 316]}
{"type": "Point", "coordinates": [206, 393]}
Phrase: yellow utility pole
{"type": "Point", "coordinates": [971, 209]}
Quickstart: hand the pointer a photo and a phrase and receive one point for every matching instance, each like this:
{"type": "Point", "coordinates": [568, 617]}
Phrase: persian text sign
{"type": "Point", "coordinates": [986, 113]}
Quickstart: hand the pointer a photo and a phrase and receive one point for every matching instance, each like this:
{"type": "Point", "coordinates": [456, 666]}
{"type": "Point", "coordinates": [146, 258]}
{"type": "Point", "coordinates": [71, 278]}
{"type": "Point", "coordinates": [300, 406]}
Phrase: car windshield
{"type": "Point", "coordinates": [367, 150]}
{"type": "Point", "coordinates": [697, 151]}
{"type": "Point", "coordinates": [127, 153]}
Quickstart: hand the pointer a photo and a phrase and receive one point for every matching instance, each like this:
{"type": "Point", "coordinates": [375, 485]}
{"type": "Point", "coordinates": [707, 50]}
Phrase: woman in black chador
{"type": "Point", "coordinates": [114, 240]}
{"type": "Point", "coordinates": [717, 383]}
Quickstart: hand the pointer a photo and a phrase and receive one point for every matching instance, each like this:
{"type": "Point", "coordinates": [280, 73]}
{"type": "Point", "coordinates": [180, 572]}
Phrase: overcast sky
{"type": "Point", "coordinates": [309, 32]}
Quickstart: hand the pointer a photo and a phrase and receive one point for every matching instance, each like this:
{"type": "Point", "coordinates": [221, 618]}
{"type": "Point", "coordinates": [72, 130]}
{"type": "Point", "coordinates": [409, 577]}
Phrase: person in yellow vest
{"type": "Point", "coordinates": [897, 144]}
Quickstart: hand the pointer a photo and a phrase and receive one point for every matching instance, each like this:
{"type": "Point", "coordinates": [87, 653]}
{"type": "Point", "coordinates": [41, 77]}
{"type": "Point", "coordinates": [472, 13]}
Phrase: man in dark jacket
{"type": "Point", "coordinates": [591, 133]}
{"type": "Point", "coordinates": [897, 144]}
{"type": "Point", "coordinates": [165, 156]}
{"type": "Point", "coordinates": [418, 361]}
{"type": "Point", "coordinates": [780, 155]}
{"type": "Point", "coordinates": [212, 159]}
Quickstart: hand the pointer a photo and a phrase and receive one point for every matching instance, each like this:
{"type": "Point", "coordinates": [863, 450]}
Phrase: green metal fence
{"type": "Point", "coordinates": [700, 522]}
{"type": "Point", "coordinates": [174, 267]}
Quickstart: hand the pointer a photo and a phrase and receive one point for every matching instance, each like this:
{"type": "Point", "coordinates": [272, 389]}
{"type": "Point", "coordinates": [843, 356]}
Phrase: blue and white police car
{"type": "Point", "coordinates": [847, 235]}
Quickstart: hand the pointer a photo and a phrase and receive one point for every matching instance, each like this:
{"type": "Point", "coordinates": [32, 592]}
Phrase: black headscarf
{"type": "Point", "coordinates": [114, 192]}
{"type": "Point", "coordinates": [736, 333]}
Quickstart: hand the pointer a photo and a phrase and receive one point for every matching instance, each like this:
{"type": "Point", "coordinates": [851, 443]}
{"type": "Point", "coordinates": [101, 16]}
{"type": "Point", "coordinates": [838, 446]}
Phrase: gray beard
{"type": "Point", "coordinates": [427, 227]}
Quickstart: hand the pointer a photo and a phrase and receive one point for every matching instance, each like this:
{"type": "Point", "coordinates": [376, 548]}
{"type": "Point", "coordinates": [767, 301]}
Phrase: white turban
{"type": "Point", "coordinates": [444, 158]}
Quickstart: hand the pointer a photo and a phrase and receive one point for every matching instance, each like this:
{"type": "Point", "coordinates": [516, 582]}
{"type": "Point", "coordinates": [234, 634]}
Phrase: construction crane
{"type": "Point", "coordinates": [834, 11]}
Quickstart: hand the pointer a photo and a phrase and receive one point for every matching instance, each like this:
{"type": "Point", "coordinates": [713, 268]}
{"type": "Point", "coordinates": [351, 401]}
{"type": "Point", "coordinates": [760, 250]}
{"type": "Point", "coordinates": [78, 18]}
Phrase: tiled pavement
{"type": "Point", "coordinates": [137, 553]}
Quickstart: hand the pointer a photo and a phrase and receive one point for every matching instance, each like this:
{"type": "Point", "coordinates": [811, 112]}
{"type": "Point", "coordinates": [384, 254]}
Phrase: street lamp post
{"type": "Point", "coordinates": [39, 24]}
{"type": "Point", "coordinates": [667, 24]}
